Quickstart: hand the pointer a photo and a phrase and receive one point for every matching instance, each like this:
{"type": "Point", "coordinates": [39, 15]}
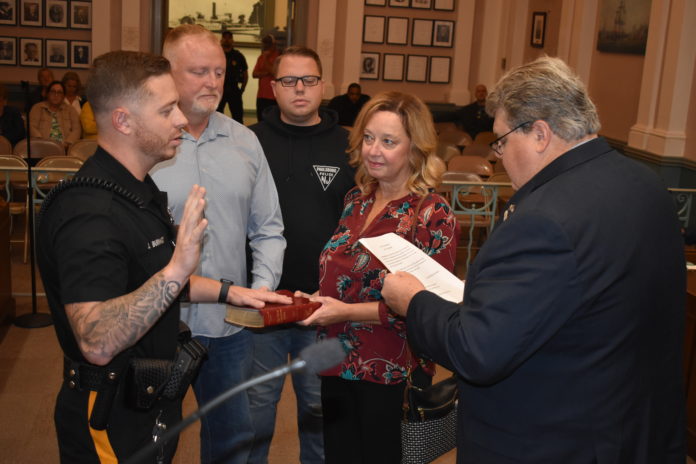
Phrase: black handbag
{"type": "Point", "coordinates": [429, 425]}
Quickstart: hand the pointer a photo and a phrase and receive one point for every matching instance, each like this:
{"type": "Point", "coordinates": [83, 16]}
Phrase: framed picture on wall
{"type": "Point", "coordinates": [80, 15]}
{"type": "Point", "coordinates": [30, 51]}
{"type": "Point", "coordinates": [369, 65]}
{"type": "Point", "coordinates": [375, 2]}
{"type": "Point", "coordinates": [30, 13]}
{"type": "Point", "coordinates": [393, 68]}
{"type": "Point", "coordinates": [538, 29]}
{"type": "Point", "coordinates": [444, 5]}
{"type": "Point", "coordinates": [56, 53]}
{"type": "Point", "coordinates": [422, 32]}
{"type": "Point", "coordinates": [8, 51]}
{"type": "Point", "coordinates": [417, 68]}
{"type": "Point", "coordinates": [56, 13]}
{"type": "Point", "coordinates": [422, 4]}
{"type": "Point", "coordinates": [397, 31]}
{"type": "Point", "coordinates": [443, 33]}
{"type": "Point", "coordinates": [399, 3]}
{"type": "Point", "coordinates": [8, 12]}
{"type": "Point", "coordinates": [373, 29]}
{"type": "Point", "coordinates": [80, 54]}
{"type": "Point", "coordinates": [440, 69]}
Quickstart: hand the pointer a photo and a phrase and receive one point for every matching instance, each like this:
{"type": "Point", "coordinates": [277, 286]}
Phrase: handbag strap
{"type": "Point", "coordinates": [412, 234]}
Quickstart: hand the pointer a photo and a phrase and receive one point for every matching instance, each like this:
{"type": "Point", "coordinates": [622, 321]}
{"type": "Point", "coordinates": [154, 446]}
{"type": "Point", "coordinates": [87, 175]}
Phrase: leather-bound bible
{"type": "Point", "coordinates": [272, 313]}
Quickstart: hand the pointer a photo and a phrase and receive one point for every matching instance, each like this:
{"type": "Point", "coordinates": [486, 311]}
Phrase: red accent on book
{"type": "Point", "coordinates": [272, 313]}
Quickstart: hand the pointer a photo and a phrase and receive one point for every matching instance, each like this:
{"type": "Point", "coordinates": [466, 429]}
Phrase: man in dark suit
{"type": "Point", "coordinates": [568, 344]}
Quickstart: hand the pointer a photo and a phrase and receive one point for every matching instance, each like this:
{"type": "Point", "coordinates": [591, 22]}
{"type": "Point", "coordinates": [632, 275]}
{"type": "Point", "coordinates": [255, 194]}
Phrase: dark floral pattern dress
{"type": "Point", "coordinates": [379, 352]}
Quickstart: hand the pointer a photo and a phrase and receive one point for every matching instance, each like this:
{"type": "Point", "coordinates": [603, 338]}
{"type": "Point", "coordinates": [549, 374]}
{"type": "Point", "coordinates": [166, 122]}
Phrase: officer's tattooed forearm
{"type": "Point", "coordinates": [104, 329]}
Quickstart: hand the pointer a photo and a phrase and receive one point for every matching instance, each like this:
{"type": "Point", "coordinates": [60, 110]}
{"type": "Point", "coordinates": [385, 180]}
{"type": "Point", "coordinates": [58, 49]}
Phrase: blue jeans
{"type": "Point", "coordinates": [271, 349]}
{"type": "Point", "coordinates": [226, 432]}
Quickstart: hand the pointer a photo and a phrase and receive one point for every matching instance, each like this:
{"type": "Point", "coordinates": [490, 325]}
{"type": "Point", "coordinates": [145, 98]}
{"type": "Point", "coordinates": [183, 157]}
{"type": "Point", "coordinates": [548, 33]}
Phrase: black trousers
{"type": "Point", "coordinates": [361, 421]}
{"type": "Point", "coordinates": [234, 100]}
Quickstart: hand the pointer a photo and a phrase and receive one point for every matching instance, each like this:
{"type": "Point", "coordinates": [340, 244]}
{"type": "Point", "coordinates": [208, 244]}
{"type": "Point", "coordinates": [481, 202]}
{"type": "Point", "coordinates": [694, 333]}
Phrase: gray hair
{"type": "Point", "coordinates": [545, 89]}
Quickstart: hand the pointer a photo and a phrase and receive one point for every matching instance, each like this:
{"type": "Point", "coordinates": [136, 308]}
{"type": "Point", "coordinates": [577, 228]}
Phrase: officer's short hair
{"type": "Point", "coordinates": [120, 76]}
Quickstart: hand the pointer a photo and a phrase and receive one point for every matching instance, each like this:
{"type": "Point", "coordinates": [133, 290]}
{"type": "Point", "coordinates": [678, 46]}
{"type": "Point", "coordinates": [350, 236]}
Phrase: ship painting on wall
{"type": "Point", "coordinates": [624, 26]}
{"type": "Point", "coordinates": [244, 18]}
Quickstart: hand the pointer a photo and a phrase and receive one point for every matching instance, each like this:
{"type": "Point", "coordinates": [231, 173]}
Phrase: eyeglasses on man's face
{"type": "Point", "coordinates": [291, 81]}
{"type": "Point", "coordinates": [498, 144]}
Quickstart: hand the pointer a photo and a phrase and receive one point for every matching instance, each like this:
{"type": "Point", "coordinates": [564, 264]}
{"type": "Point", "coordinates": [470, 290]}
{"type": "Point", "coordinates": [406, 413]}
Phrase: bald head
{"type": "Point", "coordinates": [480, 93]}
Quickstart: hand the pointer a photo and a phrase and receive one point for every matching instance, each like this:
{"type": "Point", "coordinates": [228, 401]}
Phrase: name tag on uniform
{"type": "Point", "coordinates": [155, 243]}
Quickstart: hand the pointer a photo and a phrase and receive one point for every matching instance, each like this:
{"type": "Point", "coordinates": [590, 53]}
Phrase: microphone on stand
{"type": "Point", "coordinates": [315, 359]}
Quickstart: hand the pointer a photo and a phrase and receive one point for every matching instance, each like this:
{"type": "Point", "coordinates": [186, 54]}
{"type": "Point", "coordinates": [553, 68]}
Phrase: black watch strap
{"type": "Point", "coordinates": [222, 297]}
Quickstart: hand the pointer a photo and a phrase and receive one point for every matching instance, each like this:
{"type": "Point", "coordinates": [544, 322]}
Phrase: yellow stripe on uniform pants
{"type": "Point", "coordinates": [101, 439]}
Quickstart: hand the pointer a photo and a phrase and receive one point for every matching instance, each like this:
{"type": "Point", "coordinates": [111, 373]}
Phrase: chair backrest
{"type": "Point", "coordinates": [473, 164]}
{"type": "Point", "coordinates": [456, 137]}
{"type": "Point", "coordinates": [5, 146]}
{"type": "Point", "coordinates": [56, 162]}
{"type": "Point", "coordinates": [478, 149]}
{"type": "Point", "coordinates": [39, 148]}
{"type": "Point", "coordinates": [83, 149]}
{"type": "Point", "coordinates": [485, 137]}
{"type": "Point", "coordinates": [503, 192]}
{"type": "Point", "coordinates": [12, 178]}
{"type": "Point", "coordinates": [447, 152]}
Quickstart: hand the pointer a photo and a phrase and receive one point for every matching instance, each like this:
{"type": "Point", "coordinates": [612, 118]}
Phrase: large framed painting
{"type": "Point", "coordinates": [623, 26]}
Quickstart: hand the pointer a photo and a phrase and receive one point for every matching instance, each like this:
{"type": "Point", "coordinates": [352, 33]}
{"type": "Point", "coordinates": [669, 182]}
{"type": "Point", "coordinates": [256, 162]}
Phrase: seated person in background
{"type": "Point", "coordinates": [54, 119]}
{"type": "Point", "coordinates": [45, 77]}
{"type": "Point", "coordinates": [11, 122]}
{"type": "Point", "coordinates": [89, 125]}
{"type": "Point", "coordinates": [473, 117]}
{"type": "Point", "coordinates": [73, 88]}
{"type": "Point", "coordinates": [349, 104]}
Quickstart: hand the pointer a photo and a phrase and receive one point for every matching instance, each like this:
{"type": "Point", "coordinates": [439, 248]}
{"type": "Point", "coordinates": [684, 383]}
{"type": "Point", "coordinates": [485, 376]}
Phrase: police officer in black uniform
{"type": "Point", "coordinates": [236, 77]}
{"type": "Point", "coordinates": [113, 276]}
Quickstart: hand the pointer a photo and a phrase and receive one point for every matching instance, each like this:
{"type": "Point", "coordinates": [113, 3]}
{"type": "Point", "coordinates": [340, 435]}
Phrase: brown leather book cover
{"type": "Point", "coordinates": [272, 313]}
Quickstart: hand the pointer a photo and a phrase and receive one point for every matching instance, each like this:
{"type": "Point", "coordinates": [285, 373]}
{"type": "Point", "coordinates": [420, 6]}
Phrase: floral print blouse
{"type": "Point", "coordinates": [379, 352]}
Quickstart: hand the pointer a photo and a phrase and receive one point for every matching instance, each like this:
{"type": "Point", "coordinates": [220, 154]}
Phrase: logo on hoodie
{"type": "Point", "coordinates": [326, 174]}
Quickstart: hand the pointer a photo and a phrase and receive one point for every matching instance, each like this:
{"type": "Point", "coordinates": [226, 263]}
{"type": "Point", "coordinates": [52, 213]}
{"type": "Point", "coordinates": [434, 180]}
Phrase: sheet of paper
{"type": "Point", "coordinates": [398, 254]}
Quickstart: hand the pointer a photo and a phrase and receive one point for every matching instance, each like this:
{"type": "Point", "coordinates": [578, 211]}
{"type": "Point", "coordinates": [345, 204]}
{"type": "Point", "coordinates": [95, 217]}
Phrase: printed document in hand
{"type": "Point", "coordinates": [398, 254]}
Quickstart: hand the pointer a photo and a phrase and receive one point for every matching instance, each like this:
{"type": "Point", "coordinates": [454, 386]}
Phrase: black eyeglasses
{"type": "Point", "coordinates": [291, 81]}
{"type": "Point", "coordinates": [498, 144]}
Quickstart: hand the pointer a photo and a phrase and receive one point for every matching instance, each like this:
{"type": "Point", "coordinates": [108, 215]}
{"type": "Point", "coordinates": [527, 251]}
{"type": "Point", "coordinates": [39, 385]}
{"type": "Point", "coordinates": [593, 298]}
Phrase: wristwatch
{"type": "Point", "coordinates": [222, 298]}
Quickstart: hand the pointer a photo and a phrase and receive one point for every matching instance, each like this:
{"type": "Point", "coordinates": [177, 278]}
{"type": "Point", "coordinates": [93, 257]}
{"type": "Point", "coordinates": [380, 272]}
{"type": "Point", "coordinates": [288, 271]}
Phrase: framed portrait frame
{"type": "Point", "coordinates": [440, 69]}
{"type": "Point", "coordinates": [417, 68]}
{"type": "Point", "coordinates": [57, 53]}
{"type": "Point", "coordinates": [443, 33]}
{"type": "Point", "coordinates": [443, 5]}
{"type": "Point", "coordinates": [399, 3]}
{"type": "Point", "coordinates": [397, 30]}
{"type": "Point", "coordinates": [30, 13]}
{"type": "Point", "coordinates": [369, 65]}
{"type": "Point", "coordinates": [422, 32]}
{"type": "Point", "coordinates": [373, 29]}
{"type": "Point", "coordinates": [56, 14]}
{"type": "Point", "coordinates": [8, 13]}
{"type": "Point", "coordinates": [538, 29]}
{"type": "Point", "coordinates": [421, 4]}
{"type": "Point", "coordinates": [8, 51]}
{"type": "Point", "coordinates": [80, 15]}
{"type": "Point", "coordinates": [30, 51]}
{"type": "Point", "coordinates": [80, 54]}
{"type": "Point", "coordinates": [375, 2]}
{"type": "Point", "coordinates": [393, 67]}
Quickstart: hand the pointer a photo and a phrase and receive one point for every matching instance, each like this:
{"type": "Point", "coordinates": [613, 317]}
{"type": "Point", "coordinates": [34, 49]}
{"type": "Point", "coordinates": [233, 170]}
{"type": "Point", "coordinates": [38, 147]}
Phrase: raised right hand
{"type": "Point", "coordinates": [190, 236]}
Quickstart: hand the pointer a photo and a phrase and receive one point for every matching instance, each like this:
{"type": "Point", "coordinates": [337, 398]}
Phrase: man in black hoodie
{"type": "Point", "coordinates": [306, 150]}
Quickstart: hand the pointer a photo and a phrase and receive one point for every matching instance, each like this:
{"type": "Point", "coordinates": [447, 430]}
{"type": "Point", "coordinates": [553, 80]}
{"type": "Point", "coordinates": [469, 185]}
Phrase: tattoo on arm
{"type": "Point", "coordinates": [104, 329]}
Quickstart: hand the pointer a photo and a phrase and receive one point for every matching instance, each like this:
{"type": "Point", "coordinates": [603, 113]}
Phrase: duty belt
{"type": "Point", "coordinates": [85, 377]}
